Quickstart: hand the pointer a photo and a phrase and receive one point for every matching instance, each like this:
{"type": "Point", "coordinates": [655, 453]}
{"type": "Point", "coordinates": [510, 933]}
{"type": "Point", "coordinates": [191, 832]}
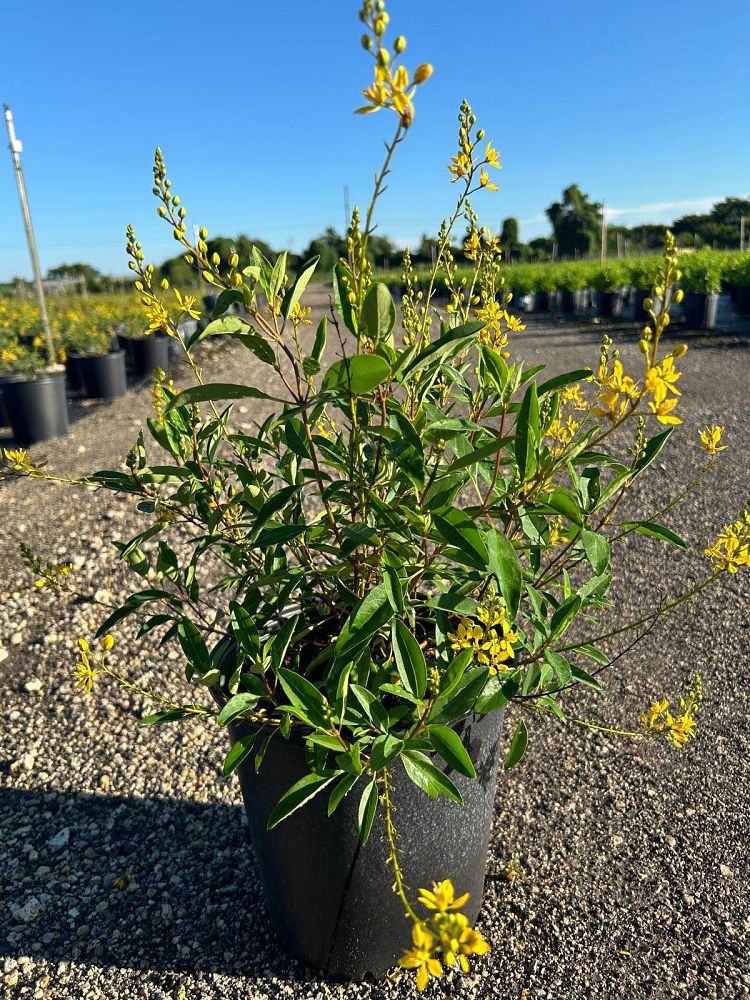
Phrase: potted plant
{"type": "Point", "coordinates": [416, 534]}
{"type": "Point", "coordinates": [642, 275]}
{"type": "Point", "coordinates": [701, 281]}
{"type": "Point", "coordinates": [32, 386]}
{"type": "Point", "coordinates": [741, 281]}
{"type": "Point", "coordinates": [95, 363]}
{"type": "Point", "coordinates": [607, 280]}
{"type": "Point", "coordinates": [148, 350]}
{"type": "Point", "coordinates": [572, 283]}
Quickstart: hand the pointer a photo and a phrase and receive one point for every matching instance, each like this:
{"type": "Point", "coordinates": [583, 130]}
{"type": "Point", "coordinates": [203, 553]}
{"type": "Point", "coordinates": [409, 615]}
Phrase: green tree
{"type": "Point", "coordinates": [509, 238]}
{"type": "Point", "coordinates": [576, 222]}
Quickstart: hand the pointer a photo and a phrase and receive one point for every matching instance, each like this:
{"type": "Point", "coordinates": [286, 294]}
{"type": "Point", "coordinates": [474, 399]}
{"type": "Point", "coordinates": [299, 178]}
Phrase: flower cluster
{"type": "Point", "coordinates": [393, 87]}
{"type": "Point", "coordinates": [86, 670]}
{"type": "Point", "coordinates": [490, 639]}
{"type": "Point", "coordinates": [446, 939]}
{"type": "Point", "coordinates": [710, 440]}
{"type": "Point", "coordinates": [658, 720]}
{"type": "Point", "coordinates": [731, 550]}
{"type": "Point", "coordinates": [468, 158]}
{"type": "Point", "coordinates": [50, 575]}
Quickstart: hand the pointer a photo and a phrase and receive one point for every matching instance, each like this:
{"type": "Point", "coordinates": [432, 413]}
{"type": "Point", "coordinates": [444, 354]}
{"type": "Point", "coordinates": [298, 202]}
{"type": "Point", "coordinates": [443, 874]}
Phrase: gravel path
{"type": "Point", "coordinates": [124, 868]}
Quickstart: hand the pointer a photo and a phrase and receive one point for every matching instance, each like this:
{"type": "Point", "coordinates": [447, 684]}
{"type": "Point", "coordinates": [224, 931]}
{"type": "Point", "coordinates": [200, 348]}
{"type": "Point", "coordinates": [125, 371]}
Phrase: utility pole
{"type": "Point", "coordinates": [15, 148]}
{"type": "Point", "coordinates": [603, 256]}
{"type": "Point", "coordinates": [347, 212]}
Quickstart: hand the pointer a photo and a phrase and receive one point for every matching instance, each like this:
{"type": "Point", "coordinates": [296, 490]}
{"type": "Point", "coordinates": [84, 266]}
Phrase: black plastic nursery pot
{"type": "Point", "coordinates": [4, 421]}
{"type": "Point", "coordinates": [150, 353]}
{"type": "Point", "coordinates": [743, 299]}
{"type": "Point", "coordinates": [605, 303]}
{"type": "Point", "coordinates": [73, 373]}
{"type": "Point", "coordinates": [700, 310]}
{"type": "Point", "coordinates": [330, 898]}
{"type": "Point", "coordinates": [567, 301]}
{"type": "Point", "coordinates": [37, 408]}
{"type": "Point", "coordinates": [103, 377]}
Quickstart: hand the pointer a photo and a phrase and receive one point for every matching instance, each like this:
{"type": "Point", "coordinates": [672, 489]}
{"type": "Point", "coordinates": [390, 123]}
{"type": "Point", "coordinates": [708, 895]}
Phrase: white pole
{"type": "Point", "coordinates": [603, 255]}
{"type": "Point", "coordinates": [15, 147]}
{"type": "Point", "coordinates": [742, 232]}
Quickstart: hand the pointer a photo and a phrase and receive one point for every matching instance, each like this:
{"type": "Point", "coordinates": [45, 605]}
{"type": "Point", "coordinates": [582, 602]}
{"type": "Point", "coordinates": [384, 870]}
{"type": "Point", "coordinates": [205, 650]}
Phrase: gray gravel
{"type": "Point", "coordinates": [124, 867]}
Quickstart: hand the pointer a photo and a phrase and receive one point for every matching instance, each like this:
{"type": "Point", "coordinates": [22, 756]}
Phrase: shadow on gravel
{"type": "Point", "coordinates": [151, 884]}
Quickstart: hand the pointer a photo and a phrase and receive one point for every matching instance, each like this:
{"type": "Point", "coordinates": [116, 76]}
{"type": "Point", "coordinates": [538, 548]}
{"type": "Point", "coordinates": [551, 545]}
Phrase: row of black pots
{"type": "Point", "coordinates": [698, 310]}
{"type": "Point", "coordinates": [36, 409]}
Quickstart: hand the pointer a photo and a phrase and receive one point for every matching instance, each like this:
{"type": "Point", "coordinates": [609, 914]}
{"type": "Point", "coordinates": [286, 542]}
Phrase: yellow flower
{"type": "Point", "coordinates": [710, 438]}
{"type": "Point", "coordinates": [663, 411]}
{"type": "Point", "coordinates": [460, 166]}
{"type": "Point", "coordinates": [84, 671]}
{"type": "Point", "coordinates": [491, 642]}
{"type": "Point", "coordinates": [484, 180]}
{"type": "Point", "coordinates": [457, 939]}
{"type": "Point", "coordinates": [659, 721]}
{"type": "Point", "coordinates": [731, 550]}
{"type": "Point", "coordinates": [442, 897]}
{"type": "Point", "coordinates": [19, 460]}
{"type": "Point", "coordinates": [187, 305]}
{"type": "Point", "coordinates": [299, 315]}
{"type": "Point", "coordinates": [661, 379]}
{"type": "Point", "coordinates": [421, 957]}
{"type": "Point", "coordinates": [472, 246]}
{"type": "Point", "coordinates": [573, 394]}
{"type": "Point", "coordinates": [492, 156]}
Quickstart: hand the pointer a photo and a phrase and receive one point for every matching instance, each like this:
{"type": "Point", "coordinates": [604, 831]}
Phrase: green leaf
{"type": "Point", "coordinates": [410, 661]}
{"type": "Point", "coordinates": [133, 603]}
{"type": "Point", "coordinates": [298, 795]}
{"type": "Point", "coordinates": [447, 743]}
{"type": "Point", "coordinates": [244, 630]}
{"type": "Point", "coordinates": [240, 750]}
{"type": "Point", "coordinates": [215, 391]}
{"type": "Point", "coordinates": [429, 778]}
{"type": "Point", "coordinates": [321, 335]}
{"type": "Point", "coordinates": [341, 298]}
{"type": "Point", "coordinates": [504, 564]}
{"type": "Point", "coordinates": [596, 548]}
{"type": "Point", "coordinates": [225, 325]}
{"type": "Point", "coordinates": [527, 433]}
{"type": "Point", "coordinates": [564, 615]}
{"type": "Point", "coordinates": [459, 530]}
{"type": "Point", "coordinates": [193, 646]}
{"type": "Point", "coordinates": [224, 301]}
{"type": "Point", "coordinates": [168, 715]}
{"type": "Point", "coordinates": [583, 677]}
{"type": "Point", "coordinates": [243, 702]}
{"type": "Point", "coordinates": [478, 454]}
{"type": "Point", "coordinates": [371, 614]}
{"type": "Point", "coordinates": [384, 749]}
{"type": "Point", "coordinates": [368, 805]}
{"type": "Point", "coordinates": [258, 345]}
{"type": "Point", "coordinates": [358, 375]}
{"type": "Point", "coordinates": [278, 274]}
{"type": "Point", "coordinates": [559, 381]}
{"type": "Point", "coordinates": [655, 530]}
{"type": "Point", "coordinates": [462, 698]}
{"type": "Point", "coordinates": [562, 502]}
{"type": "Point", "coordinates": [453, 340]}
{"type": "Point", "coordinates": [302, 694]}
{"type": "Point", "coordinates": [517, 746]}
{"type": "Point", "coordinates": [652, 448]}
{"type": "Point", "coordinates": [340, 791]}
{"type": "Point", "coordinates": [393, 588]}
{"type": "Point", "coordinates": [378, 316]}
{"type": "Point", "coordinates": [560, 665]}
{"type": "Point", "coordinates": [294, 294]}
{"type": "Point", "coordinates": [497, 694]}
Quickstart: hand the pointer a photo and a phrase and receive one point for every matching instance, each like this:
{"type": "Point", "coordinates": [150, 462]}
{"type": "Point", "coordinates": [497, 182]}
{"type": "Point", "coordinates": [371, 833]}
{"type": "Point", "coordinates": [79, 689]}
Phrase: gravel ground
{"type": "Point", "coordinates": [124, 867]}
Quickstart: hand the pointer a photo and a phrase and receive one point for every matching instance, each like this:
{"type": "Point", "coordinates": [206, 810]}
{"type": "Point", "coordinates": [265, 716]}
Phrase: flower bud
{"type": "Point", "coordinates": [648, 304]}
{"type": "Point", "coordinates": [679, 295]}
{"type": "Point", "coordinates": [422, 73]}
{"type": "Point", "coordinates": [234, 260]}
{"type": "Point", "coordinates": [384, 57]}
{"type": "Point", "coordinates": [366, 42]}
{"type": "Point", "coordinates": [680, 350]}
{"type": "Point", "coordinates": [164, 284]}
{"type": "Point", "coordinates": [182, 213]}
{"type": "Point", "coordinates": [161, 212]}
{"type": "Point", "coordinates": [203, 233]}
{"type": "Point", "coordinates": [480, 135]}
{"type": "Point", "coordinates": [399, 45]}
{"type": "Point", "coordinates": [176, 200]}
{"type": "Point", "coordinates": [643, 344]}
{"type": "Point", "coordinates": [108, 642]}
{"type": "Point", "coordinates": [215, 259]}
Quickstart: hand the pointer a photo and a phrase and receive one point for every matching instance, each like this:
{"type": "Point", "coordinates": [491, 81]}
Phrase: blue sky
{"type": "Point", "coordinates": [642, 104]}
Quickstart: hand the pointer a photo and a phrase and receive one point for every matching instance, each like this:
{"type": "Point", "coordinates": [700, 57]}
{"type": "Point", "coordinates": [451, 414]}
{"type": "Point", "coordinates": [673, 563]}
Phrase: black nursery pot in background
{"type": "Point", "coordinates": [700, 310]}
{"type": "Point", "coordinates": [605, 303]}
{"type": "Point", "coordinates": [150, 353]}
{"type": "Point", "coordinates": [37, 408]}
{"type": "Point", "coordinates": [330, 898]}
{"type": "Point", "coordinates": [103, 377]}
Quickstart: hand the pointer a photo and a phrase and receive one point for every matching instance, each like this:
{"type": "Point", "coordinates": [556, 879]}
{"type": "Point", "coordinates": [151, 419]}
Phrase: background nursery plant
{"type": "Point", "coordinates": [416, 535]}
